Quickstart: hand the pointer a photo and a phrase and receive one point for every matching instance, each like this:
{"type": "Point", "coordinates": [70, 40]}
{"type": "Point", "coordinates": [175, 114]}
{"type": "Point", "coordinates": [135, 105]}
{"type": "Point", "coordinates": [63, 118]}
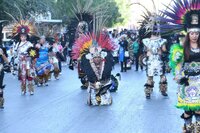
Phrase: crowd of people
{"type": "Point", "coordinates": [129, 49]}
{"type": "Point", "coordinates": [152, 48]}
{"type": "Point", "coordinates": [34, 62]}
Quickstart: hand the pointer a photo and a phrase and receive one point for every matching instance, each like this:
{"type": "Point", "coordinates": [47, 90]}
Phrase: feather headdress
{"type": "Point", "coordinates": [21, 25]}
{"type": "Point", "coordinates": [91, 44]}
{"type": "Point", "coordinates": [182, 15]}
{"type": "Point", "coordinates": [24, 27]}
{"type": "Point", "coordinates": [87, 18]}
{"type": "Point", "coordinates": [150, 22]}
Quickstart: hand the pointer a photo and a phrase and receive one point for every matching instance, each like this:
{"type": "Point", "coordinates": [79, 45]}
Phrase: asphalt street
{"type": "Point", "coordinates": [61, 107]}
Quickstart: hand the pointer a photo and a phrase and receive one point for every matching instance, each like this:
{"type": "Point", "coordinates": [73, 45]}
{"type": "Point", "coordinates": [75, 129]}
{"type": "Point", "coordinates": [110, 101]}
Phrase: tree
{"type": "Point", "coordinates": [65, 7]}
{"type": "Point", "coordinates": [24, 8]}
{"type": "Point", "coordinates": [124, 10]}
{"type": "Point", "coordinates": [60, 9]}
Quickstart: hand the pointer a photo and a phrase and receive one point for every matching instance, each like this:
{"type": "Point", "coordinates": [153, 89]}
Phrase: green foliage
{"type": "Point", "coordinates": [114, 13]}
{"type": "Point", "coordinates": [2, 15]}
{"type": "Point", "coordinates": [65, 6]}
{"type": "Point", "coordinates": [26, 7]}
{"type": "Point", "coordinates": [60, 9]}
{"type": "Point", "coordinates": [124, 10]}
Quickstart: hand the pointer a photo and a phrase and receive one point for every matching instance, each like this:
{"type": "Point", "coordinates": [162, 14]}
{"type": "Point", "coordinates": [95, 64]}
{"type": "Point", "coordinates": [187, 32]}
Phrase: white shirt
{"type": "Point", "coordinates": [22, 47]}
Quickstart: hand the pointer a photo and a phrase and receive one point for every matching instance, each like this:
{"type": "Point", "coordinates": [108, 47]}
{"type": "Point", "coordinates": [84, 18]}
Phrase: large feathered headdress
{"type": "Point", "coordinates": [153, 23]}
{"type": "Point", "coordinates": [87, 18]}
{"type": "Point", "coordinates": [92, 45]}
{"type": "Point", "coordinates": [24, 27]}
{"type": "Point", "coordinates": [182, 15]}
{"type": "Point", "coordinates": [150, 20]}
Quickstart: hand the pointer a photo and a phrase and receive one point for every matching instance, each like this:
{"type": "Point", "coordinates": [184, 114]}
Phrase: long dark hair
{"type": "Point", "coordinates": [186, 46]}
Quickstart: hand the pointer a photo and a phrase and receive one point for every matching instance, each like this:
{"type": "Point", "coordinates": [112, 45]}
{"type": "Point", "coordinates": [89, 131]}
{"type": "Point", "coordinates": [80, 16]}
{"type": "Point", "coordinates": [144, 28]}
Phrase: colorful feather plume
{"type": "Point", "coordinates": [95, 17]}
{"type": "Point", "coordinates": [176, 56]}
{"type": "Point", "coordinates": [150, 22]}
{"type": "Point", "coordinates": [85, 42]}
{"type": "Point", "coordinates": [24, 27]}
{"type": "Point", "coordinates": [178, 15]}
{"type": "Point", "coordinates": [105, 42]}
{"type": "Point", "coordinates": [81, 46]}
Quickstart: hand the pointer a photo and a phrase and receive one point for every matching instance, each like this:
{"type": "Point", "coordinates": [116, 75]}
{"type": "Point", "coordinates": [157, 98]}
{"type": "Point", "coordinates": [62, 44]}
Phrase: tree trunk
{"type": "Point", "coordinates": [1, 34]}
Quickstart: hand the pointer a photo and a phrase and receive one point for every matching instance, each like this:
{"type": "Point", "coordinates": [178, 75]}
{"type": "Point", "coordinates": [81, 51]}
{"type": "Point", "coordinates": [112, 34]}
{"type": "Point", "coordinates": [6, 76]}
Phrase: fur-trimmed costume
{"type": "Point", "coordinates": [154, 48]}
{"type": "Point", "coordinates": [26, 69]}
{"type": "Point", "coordinates": [185, 61]}
{"type": "Point", "coordinates": [87, 20]}
{"type": "Point", "coordinates": [97, 62]}
{"type": "Point", "coordinates": [189, 85]}
{"type": "Point", "coordinates": [150, 34]}
{"type": "Point", "coordinates": [81, 24]}
{"type": "Point", "coordinates": [25, 58]}
{"type": "Point", "coordinates": [98, 76]}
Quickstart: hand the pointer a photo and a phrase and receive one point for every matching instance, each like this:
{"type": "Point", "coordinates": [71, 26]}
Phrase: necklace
{"type": "Point", "coordinates": [97, 70]}
{"type": "Point", "coordinates": [195, 50]}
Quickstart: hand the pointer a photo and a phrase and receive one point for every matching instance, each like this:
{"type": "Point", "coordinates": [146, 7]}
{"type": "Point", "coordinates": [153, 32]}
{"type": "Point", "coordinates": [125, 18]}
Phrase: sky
{"type": "Point", "coordinates": [138, 10]}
